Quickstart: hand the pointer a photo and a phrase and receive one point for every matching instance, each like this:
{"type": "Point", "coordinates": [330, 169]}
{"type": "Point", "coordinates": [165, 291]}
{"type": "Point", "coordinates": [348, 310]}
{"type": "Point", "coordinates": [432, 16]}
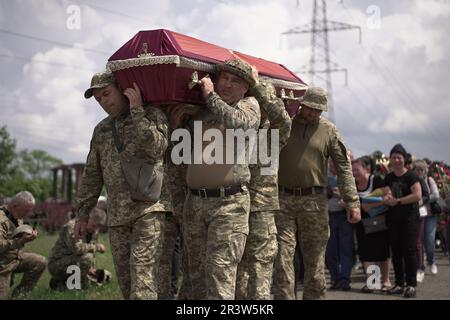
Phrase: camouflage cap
{"type": "Point", "coordinates": [22, 229]}
{"type": "Point", "coordinates": [100, 80]}
{"type": "Point", "coordinates": [239, 68]}
{"type": "Point", "coordinates": [315, 98]}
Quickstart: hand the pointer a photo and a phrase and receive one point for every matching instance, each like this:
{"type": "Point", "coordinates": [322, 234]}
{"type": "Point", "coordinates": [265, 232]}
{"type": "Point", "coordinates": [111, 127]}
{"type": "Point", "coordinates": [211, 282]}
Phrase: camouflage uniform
{"type": "Point", "coordinates": [14, 260]}
{"type": "Point", "coordinates": [68, 251]}
{"type": "Point", "coordinates": [215, 228]}
{"type": "Point", "coordinates": [254, 278]}
{"type": "Point", "coordinates": [172, 259]}
{"type": "Point", "coordinates": [303, 165]}
{"type": "Point", "coordinates": [135, 227]}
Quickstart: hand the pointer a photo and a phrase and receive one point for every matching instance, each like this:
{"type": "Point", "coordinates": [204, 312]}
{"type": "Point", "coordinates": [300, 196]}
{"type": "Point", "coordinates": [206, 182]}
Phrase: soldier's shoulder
{"type": "Point", "coordinates": [154, 111]}
{"type": "Point", "coordinates": [103, 125]}
{"type": "Point", "coordinates": [327, 124]}
{"type": "Point", "coordinates": [3, 217]}
{"type": "Point", "coordinates": [249, 102]}
{"type": "Point", "coordinates": [101, 128]}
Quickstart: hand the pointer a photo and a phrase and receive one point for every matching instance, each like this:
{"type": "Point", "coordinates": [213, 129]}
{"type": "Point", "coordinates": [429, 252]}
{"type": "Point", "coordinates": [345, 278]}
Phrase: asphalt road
{"type": "Point", "coordinates": [434, 287]}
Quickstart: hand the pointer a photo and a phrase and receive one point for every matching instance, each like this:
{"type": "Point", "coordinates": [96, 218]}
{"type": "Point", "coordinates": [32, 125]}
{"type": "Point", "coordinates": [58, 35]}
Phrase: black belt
{"type": "Point", "coordinates": [217, 193]}
{"type": "Point", "coordinates": [302, 191]}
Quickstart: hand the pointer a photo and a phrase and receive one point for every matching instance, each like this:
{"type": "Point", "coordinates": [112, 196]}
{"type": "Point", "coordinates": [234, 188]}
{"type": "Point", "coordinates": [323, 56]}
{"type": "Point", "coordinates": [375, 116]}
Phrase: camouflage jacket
{"type": "Point", "coordinates": [144, 133]}
{"type": "Point", "coordinates": [245, 115]}
{"type": "Point", "coordinates": [9, 248]}
{"type": "Point", "coordinates": [176, 184]}
{"type": "Point", "coordinates": [67, 245]}
{"type": "Point", "coordinates": [304, 160]}
{"type": "Point", "coordinates": [264, 188]}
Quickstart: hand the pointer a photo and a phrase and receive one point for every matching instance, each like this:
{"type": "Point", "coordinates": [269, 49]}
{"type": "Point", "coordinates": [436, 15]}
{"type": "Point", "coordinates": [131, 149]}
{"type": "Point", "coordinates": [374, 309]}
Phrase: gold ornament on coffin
{"type": "Point", "coordinates": [194, 80]}
{"type": "Point", "coordinates": [144, 51]}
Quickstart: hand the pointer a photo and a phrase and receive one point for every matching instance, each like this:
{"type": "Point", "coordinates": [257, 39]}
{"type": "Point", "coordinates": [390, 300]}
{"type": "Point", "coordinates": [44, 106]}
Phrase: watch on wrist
{"type": "Point", "coordinates": [399, 202]}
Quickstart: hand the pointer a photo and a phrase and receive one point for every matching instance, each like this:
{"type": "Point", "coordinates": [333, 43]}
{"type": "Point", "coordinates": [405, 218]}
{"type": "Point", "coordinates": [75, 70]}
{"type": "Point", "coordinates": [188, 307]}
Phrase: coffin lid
{"type": "Point", "coordinates": [163, 46]}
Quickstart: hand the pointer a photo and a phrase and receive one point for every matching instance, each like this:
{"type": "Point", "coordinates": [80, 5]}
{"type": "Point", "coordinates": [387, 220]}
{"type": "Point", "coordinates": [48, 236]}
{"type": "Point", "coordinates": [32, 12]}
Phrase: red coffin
{"type": "Point", "coordinates": [161, 62]}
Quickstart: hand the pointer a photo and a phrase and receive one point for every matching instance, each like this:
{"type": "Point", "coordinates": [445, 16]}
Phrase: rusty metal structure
{"type": "Point", "coordinates": [56, 211]}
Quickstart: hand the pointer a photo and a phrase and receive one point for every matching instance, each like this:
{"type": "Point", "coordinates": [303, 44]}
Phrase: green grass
{"type": "Point", "coordinates": [42, 245]}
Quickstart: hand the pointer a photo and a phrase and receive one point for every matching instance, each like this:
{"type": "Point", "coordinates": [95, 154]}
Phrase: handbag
{"type": "Point", "coordinates": [435, 207]}
{"type": "Point", "coordinates": [374, 224]}
{"type": "Point", "coordinates": [144, 179]}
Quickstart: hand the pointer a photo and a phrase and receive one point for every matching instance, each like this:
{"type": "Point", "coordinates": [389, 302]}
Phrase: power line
{"type": "Point", "coordinates": [58, 43]}
{"type": "Point", "coordinates": [134, 18]}
{"type": "Point", "coordinates": [412, 102]}
{"type": "Point", "coordinates": [320, 62]}
{"type": "Point", "coordinates": [54, 64]}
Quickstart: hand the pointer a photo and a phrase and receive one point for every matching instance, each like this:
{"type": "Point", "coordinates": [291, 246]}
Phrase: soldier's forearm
{"type": "Point", "coordinates": [233, 118]}
{"type": "Point", "coordinates": [153, 137]}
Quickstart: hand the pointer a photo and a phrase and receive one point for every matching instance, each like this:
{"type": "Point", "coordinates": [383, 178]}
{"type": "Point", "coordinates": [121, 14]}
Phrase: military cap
{"type": "Point", "coordinates": [315, 98]}
{"type": "Point", "coordinates": [239, 68]}
{"type": "Point", "coordinates": [22, 229]}
{"type": "Point", "coordinates": [100, 80]}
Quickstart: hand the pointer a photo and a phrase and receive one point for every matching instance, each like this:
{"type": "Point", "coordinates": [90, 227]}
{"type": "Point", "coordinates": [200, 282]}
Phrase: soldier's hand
{"type": "Point", "coordinates": [92, 271]}
{"type": "Point", "coordinates": [101, 248]}
{"type": "Point", "coordinates": [179, 112]}
{"type": "Point", "coordinates": [207, 86]}
{"type": "Point", "coordinates": [134, 96]}
{"type": "Point", "coordinates": [255, 75]}
{"type": "Point", "coordinates": [80, 229]}
{"type": "Point", "coordinates": [353, 215]}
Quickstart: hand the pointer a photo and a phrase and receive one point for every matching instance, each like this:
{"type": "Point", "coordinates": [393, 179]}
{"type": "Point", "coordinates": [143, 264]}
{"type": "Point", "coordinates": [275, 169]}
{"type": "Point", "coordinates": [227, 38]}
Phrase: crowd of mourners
{"type": "Point", "coordinates": [404, 219]}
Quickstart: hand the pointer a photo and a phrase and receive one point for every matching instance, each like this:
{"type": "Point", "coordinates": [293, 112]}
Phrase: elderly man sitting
{"type": "Point", "coordinates": [13, 236]}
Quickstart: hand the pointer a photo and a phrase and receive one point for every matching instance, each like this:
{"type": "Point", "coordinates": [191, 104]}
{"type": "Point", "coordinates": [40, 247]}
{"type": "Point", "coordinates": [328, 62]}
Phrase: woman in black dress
{"type": "Point", "coordinates": [373, 248]}
{"type": "Point", "coordinates": [403, 221]}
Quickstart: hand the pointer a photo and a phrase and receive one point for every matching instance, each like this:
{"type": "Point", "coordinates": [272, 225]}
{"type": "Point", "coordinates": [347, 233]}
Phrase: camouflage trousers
{"type": "Point", "coordinates": [215, 231]}
{"type": "Point", "coordinates": [254, 276]}
{"type": "Point", "coordinates": [136, 250]}
{"type": "Point", "coordinates": [305, 217]}
{"type": "Point", "coordinates": [58, 267]}
{"type": "Point", "coordinates": [170, 263]}
{"type": "Point", "coordinates": [32, 266]}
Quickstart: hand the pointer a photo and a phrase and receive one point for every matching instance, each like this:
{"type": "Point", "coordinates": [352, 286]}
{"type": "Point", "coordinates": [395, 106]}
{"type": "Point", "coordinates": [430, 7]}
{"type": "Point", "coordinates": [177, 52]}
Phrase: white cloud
{"type": "Point", "coordinates": [67, 120]}
{"type": "Point", "coordinates": [431, 8]}
{"type": "Point", "coordinates": [397, 78]}
{"type": "Point", "coordinates": [401, 120]}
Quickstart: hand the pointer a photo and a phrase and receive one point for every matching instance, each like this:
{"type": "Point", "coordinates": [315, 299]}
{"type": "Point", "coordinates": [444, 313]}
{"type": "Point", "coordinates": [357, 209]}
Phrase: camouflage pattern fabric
{"type": "Point", "coordinates": [254, 277]}
{"type": "Point", "coordinates": [9, 247]}
{"type": "Point", "coordinates": [69, 251]}
{"type": "Point", "coordinates": [144, 133]}
{"type": "Point", "coordinates": [137, 250]}
{"type": "Point", "coordinates": [264, 188]}
{"type": "Point", "coordinates": [304, 160]}
{"type": "Point", "coordinates": [215, 231]}
{"type": "Point", "coordinates": [304, 217]}
{"type": "Point", "coordinates": [32, 266]}
{"type": "Point", "coordinates": [245, 114]}
{"type": "Point", "coordinates": [315, 98]}
{"type": "Point", "coordinates": [170, 250]}
{"type": "Point", "coordinates": [14, 260]}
